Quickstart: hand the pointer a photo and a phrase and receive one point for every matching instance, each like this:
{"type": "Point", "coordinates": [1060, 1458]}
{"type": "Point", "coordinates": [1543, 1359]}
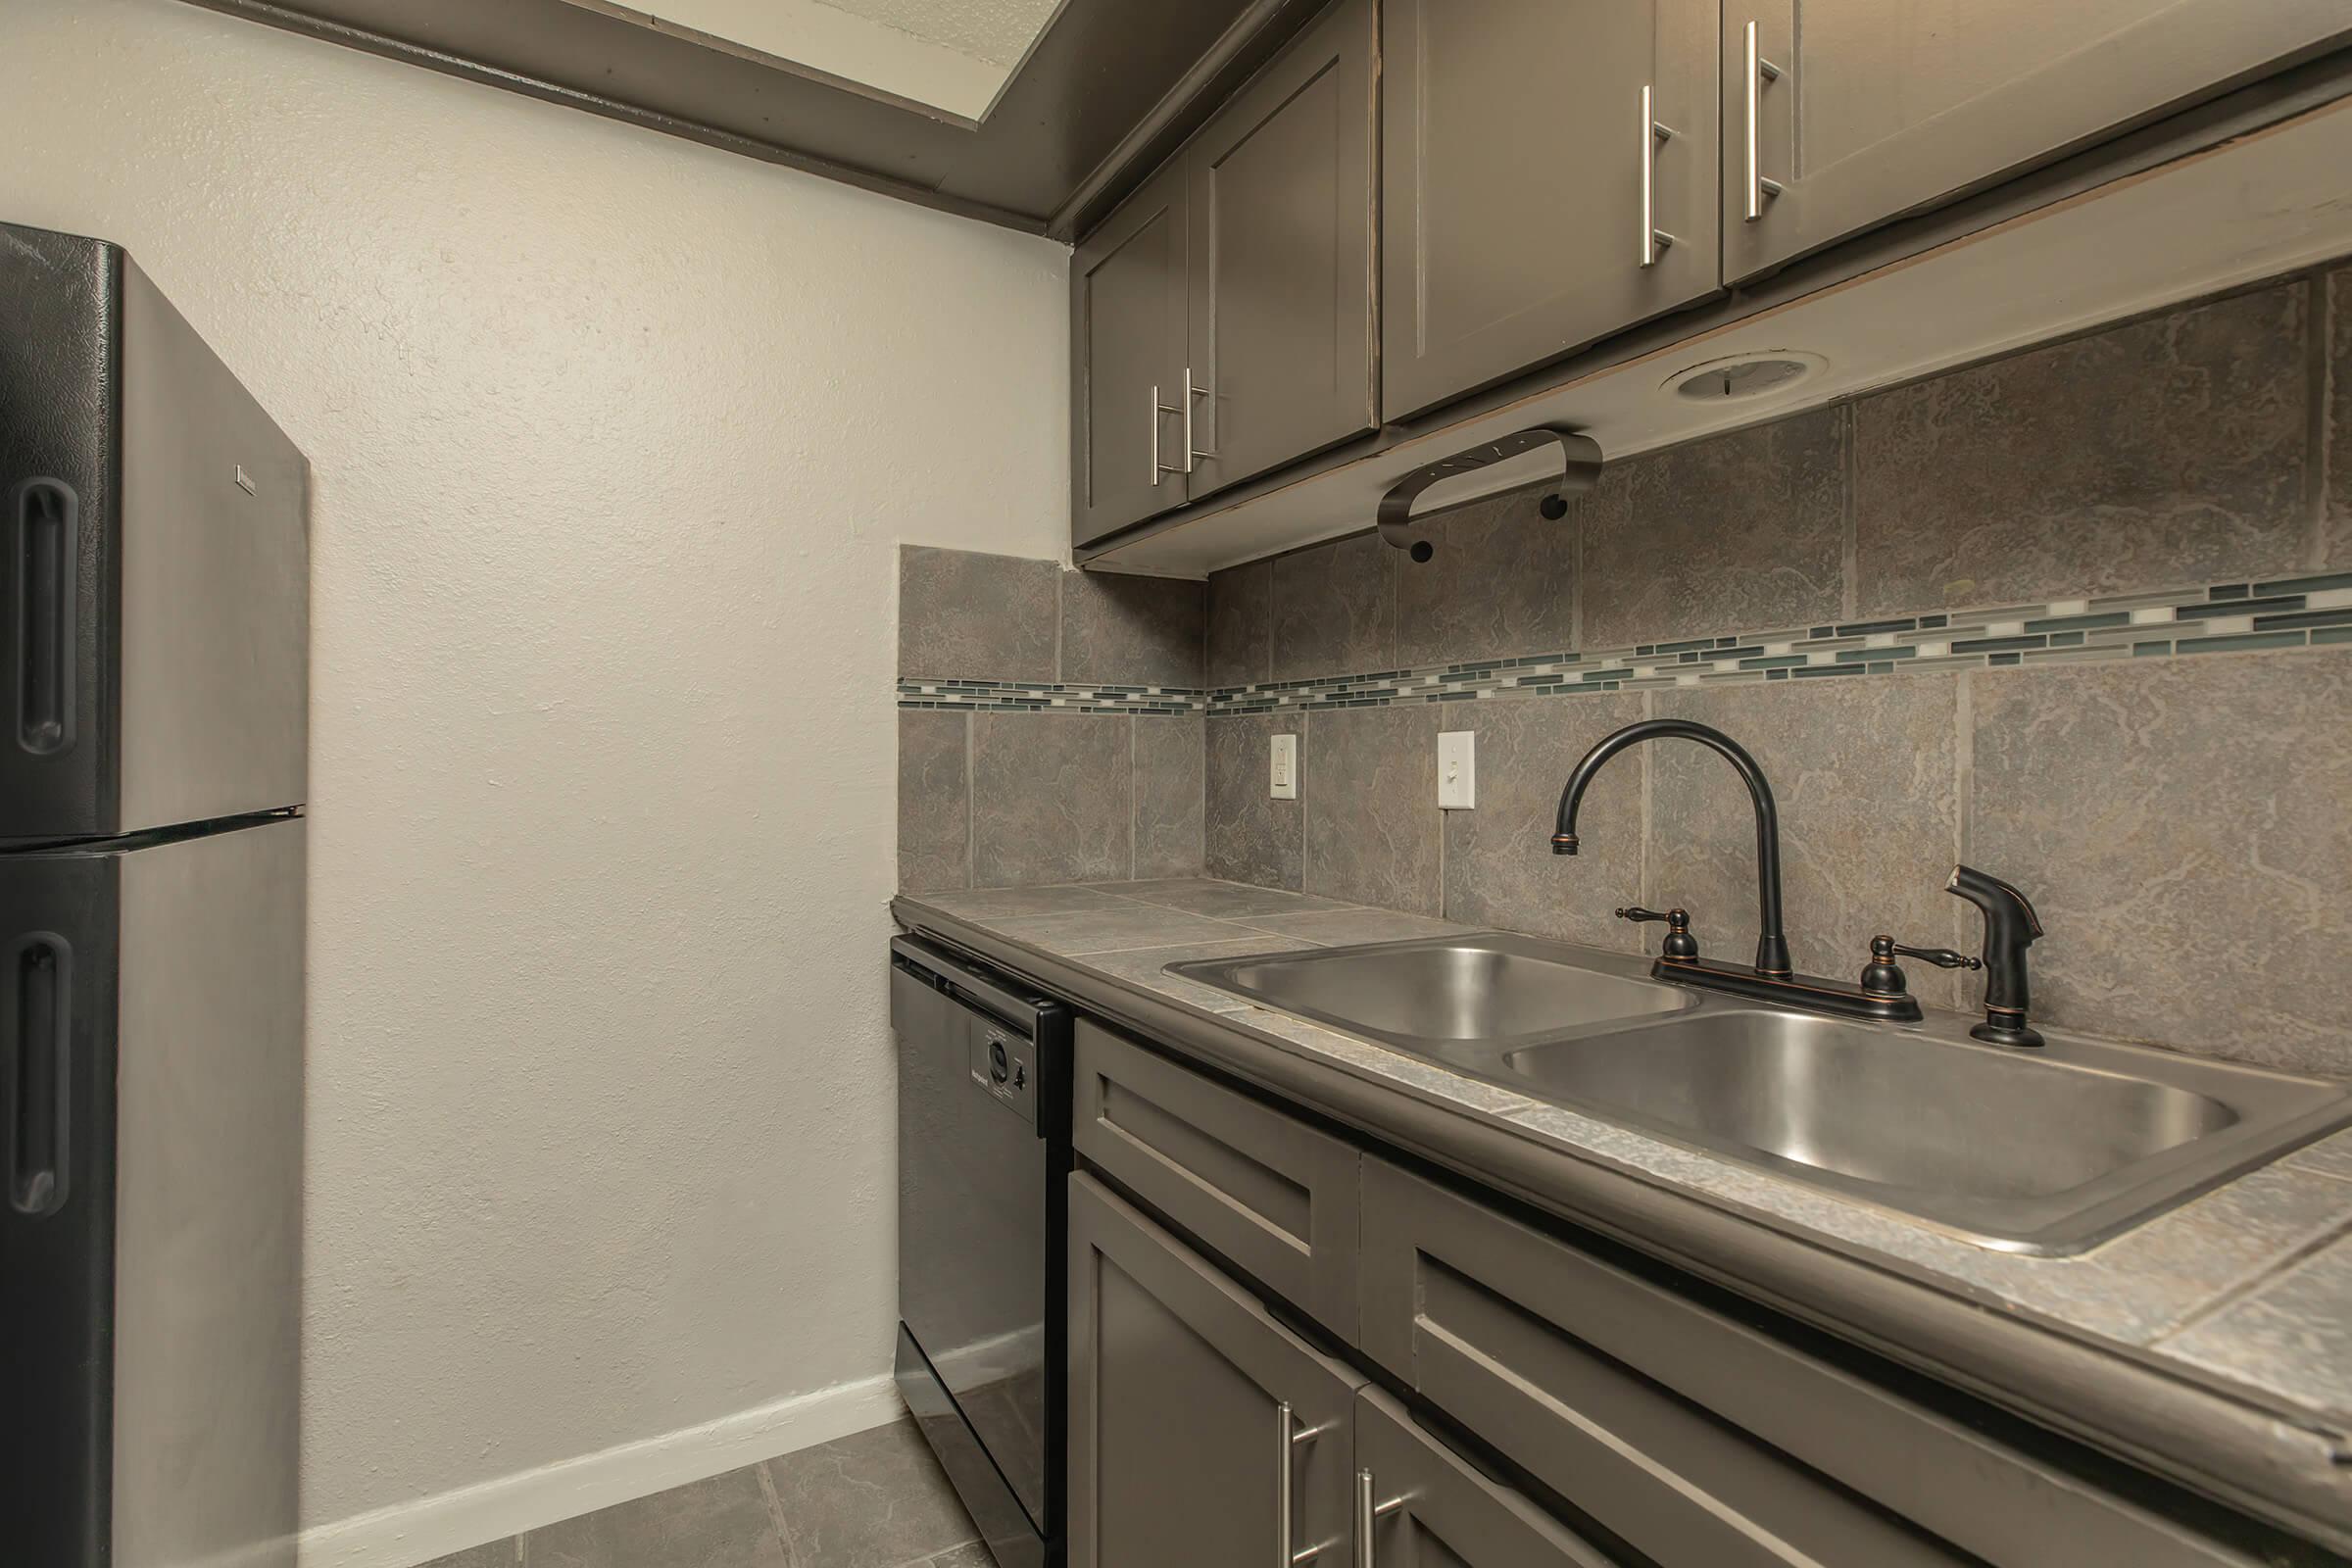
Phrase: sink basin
{"type": "Point", "coordinates": [1494, 989]}
{"type": "Point", "coordinates": [2049, 1151]}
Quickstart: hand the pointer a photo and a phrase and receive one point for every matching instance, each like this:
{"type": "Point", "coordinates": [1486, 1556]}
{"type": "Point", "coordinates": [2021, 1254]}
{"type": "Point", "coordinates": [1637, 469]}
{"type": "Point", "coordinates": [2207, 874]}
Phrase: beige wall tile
{"type": "Point", "coordinates": [2160, 454]}
{"type": "Point", "coordinates": [2185, 831]}
{"type": "Point", "coordinates": [1051, 797]}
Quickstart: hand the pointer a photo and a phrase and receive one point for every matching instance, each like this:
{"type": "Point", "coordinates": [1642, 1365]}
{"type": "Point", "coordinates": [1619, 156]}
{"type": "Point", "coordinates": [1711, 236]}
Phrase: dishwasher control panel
{"type": "Point", "coordinates": [1003, 1063]}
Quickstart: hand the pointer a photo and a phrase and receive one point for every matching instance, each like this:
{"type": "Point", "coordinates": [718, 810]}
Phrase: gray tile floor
{"type": "Point", "coordinates": [874, 1500]}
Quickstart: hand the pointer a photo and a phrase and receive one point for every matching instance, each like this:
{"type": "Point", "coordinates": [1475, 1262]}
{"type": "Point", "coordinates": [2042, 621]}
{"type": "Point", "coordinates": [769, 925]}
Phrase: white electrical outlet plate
{"type": "Point", "coordinates": [1282, 769]}
{"type": "Point", "coordinates": [1457, 771]}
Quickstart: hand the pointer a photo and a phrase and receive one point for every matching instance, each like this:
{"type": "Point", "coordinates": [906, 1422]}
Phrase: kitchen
{"type": "Point", "coordinates": [780, 499]}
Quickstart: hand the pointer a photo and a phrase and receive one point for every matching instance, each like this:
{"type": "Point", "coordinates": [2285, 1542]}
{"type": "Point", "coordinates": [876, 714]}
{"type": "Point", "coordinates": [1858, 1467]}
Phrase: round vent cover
{"type": "Point", "coordinates": [1746, 375]}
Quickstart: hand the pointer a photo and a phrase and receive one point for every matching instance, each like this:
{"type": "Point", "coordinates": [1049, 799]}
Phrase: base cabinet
{"type": "Point", "coordinates": [1422, 1505]}
{"type": "Point", "coordinates": [1201, 1431]}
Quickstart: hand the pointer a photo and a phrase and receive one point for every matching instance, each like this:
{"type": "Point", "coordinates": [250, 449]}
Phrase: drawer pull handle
{"type": "Point", "coordinates": [1368, 1516]}
{"type": "Point", "coordinates": [1160, 470]}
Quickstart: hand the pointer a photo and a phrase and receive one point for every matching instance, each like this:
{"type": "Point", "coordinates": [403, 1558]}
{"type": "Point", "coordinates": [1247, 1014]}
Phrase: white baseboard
{"type": "Point", "coordinates": [412, 1532]}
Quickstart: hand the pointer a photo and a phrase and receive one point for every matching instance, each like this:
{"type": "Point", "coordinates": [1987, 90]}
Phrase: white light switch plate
{"type": "Point", "coordinates": [1457, 770]}
{"type": "Point", "coordinates": [1282, 774]}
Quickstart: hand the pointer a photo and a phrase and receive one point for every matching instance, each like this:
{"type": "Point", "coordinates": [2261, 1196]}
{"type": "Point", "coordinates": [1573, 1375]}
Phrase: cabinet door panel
{"type": "Point", "coordinates": [1280, 211]}
{"type": "Point", "coordinates": [1178, 1383]}
{"type": "Point", "coordinates": [1883, 106]}
{"type": "Point", "coordinates": [1271, 1194]}
{"type": "Point", "coordinates": [1512, 166]}
{"type": "Point", "coordinates": [1446, 1514]}
{"type": "Point", "coordinates": [1127, 348]}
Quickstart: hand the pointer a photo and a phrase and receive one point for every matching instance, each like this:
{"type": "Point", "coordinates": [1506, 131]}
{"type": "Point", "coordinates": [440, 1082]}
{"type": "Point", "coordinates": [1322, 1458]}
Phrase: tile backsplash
{"type": "Point", "coordinates": [1971, 618]}
{"type": "Point", "coordinates": [1049, 724]}
{"type": "Point", "coordinates": [2081, 617]}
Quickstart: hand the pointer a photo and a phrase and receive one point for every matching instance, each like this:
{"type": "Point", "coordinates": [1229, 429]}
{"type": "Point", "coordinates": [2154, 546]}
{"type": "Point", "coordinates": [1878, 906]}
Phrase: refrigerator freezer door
{"type": "Point", "coordinates": [154, 561]}
{"type": "Point", "coordinates": [214, 626]}
{"type": "Point", "coordinates": [60, 304]}
{"type": "Point", "coordinates": [152, 1320]}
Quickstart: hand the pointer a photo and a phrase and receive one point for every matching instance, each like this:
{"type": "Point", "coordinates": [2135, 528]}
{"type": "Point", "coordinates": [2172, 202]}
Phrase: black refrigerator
{"type": "Point", "coordinates": [153, 693]}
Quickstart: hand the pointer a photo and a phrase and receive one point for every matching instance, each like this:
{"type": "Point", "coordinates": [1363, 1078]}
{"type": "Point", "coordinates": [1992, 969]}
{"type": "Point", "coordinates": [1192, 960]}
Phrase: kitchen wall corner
{"type": "Point", "coordinates": [1049, 724]}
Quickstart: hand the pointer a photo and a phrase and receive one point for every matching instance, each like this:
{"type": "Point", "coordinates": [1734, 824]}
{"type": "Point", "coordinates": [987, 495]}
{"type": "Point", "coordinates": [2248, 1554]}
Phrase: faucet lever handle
{"type": "Point", "coordinates": [1681, 946]}
{"type": "Point", "coordinates": [1884, 977]}
{"type": "Point", "coordinates": [1941, 957]}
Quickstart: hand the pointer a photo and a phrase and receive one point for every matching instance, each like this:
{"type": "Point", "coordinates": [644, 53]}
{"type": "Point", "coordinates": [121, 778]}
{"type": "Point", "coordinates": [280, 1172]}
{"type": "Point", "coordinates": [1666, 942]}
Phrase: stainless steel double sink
{"type": "Point", "coordinates": [2049, 1151]}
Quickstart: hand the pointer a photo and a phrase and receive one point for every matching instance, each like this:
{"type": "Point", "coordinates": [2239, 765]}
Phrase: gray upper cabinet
{"type": "Point", "coordinates": [1201, 1432]}
{"type": "Point", "coordinates": [1282, 257]}
{"type": "Point", "coordinates": [1550, 175]}
{"type": "Point", "coordinates": [1842, 114]}
{"type": "Point", "coordinates": [1127, 342]}
{"type": "Point", "coordinates": [1238, 283]}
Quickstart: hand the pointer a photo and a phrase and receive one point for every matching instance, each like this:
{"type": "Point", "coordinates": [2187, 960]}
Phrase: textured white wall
{"type": "Point", "coordinates": [613, 438]}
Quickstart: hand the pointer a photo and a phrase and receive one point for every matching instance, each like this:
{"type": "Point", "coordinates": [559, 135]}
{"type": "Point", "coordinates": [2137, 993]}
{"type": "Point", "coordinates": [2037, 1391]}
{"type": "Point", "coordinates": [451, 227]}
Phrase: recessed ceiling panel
{"type": "Point", "coordinates": [952, 56]}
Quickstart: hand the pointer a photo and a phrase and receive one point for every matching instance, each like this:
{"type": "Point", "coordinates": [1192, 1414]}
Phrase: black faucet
{"type": "Point", "coordinates": [1772, 947]}
{"type": "Point", "coordinates": [2010, 927]}
{"type": "Point", "coordinates": [1773, 978]}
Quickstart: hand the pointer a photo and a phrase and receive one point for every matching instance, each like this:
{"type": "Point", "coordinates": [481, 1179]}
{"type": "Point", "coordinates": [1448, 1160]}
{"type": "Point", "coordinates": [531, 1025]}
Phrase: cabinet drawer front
{"type": "Point", "coordinates": [1696, 1437]}
{"type": "Point", "coordinates": [1266, 1192]}
{"type": "Point", "coordinates": [1446, 1513]}
{"type": "Point", "coordinates": [1195, 1417]}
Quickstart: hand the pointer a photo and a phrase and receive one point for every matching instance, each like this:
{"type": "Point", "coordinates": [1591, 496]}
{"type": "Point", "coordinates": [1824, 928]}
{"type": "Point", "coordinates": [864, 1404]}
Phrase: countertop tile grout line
{"type": "Point", "coordinates": [2238, 1293]}
{"type": "Point", "coordinates": [2319, 321]}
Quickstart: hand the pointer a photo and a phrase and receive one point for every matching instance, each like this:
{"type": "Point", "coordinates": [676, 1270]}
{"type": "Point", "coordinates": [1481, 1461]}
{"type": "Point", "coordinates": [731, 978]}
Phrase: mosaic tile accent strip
{"type": "Point", "coordinates": [2222, 617]}
{"type": "Point", "coordinates": [1045, 697]}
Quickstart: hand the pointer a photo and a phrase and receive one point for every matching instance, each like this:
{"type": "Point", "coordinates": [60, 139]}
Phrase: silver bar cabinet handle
{"type": "Point", "coordinates": [1654, 239]}
{"type": "Point", "coordinates": [1759, 71]}
{"type": "Point", "coordinates": [1368, 1516]}
{"type": "Point", "coordinates": [1191, 451]}
{"type": "Point", "coordinates": [1285, 1451]}
{"type": "Point", "coordinates": [1160, 468]}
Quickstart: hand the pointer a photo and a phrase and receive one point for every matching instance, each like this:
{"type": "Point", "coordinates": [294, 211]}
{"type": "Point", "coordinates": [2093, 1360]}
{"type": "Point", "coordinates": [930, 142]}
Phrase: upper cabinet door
{"type": "Point", "coordinates": [1282, 257]}
{"type": "Point", "coordinates": [1127, 348]}
{"type": "Point", "coordinates": [1550, 169]}
{"type": "Point", "coordinates": [1841, 114]}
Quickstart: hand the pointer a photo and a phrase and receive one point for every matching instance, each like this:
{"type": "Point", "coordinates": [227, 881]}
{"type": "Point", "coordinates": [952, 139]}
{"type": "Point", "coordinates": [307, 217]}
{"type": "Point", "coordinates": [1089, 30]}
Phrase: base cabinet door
{"type": "Point", "coordinates": [1548, 178]}
{"type": "Point", "coordinates": [1201, 1432]}
{"type": "Point", "coordinates": [1421, 1506]}
{"type": "Point", "coordinates": [1839, 114]}
{"type": "Point", "coordinates": [1127, 348]}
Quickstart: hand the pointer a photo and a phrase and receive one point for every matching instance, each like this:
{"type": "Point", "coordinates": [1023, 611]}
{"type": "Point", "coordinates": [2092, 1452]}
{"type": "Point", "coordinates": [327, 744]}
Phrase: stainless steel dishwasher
{"type": "Point", "coordinates": [984, 1160]}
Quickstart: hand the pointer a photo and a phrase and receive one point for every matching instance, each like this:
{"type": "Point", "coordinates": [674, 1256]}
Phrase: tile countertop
{"type": "Point", "coordinates": [2245, 1292]}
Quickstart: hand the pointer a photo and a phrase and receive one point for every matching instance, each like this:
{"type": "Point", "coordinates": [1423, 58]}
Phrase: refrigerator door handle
{"type": "Point", "coordinates": [48, 565]}
{"type": "Point", "coordinates": [37, 1037]}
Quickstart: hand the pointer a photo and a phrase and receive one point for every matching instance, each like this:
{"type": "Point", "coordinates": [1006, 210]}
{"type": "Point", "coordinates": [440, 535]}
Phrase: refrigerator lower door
{"type": "Point", "coordinates": [150, 1300]}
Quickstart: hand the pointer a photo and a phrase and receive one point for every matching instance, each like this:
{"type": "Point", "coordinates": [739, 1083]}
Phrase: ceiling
{"type": "Point", "coordinates": [1045, 142]}
{"type": "Point", "coordinates": [954, 56]}
{"type": "Point", "coordinates": [999, 32]}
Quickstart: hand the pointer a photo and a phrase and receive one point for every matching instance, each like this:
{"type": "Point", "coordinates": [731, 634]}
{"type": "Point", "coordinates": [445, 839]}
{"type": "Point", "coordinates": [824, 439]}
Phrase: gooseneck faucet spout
{"type": "Point", "coordinates": [1772, 945]}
